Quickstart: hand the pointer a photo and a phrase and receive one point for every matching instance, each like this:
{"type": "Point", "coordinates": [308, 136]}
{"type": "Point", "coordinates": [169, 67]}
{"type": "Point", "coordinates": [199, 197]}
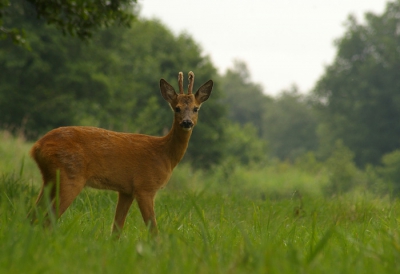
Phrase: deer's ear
{"type": "Point", "coordinates": [204, 92]}
{"type": "Point", "coordinates": [167, 91]}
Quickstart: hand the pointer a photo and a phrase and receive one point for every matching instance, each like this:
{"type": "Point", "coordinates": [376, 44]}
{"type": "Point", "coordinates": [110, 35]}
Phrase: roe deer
{"type": "Point", "coordinates": [134, 165]}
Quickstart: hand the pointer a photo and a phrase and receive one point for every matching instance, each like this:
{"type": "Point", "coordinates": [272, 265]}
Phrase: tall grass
{"type": "Point", "coordinates": [14, 157]}
{"type": "Point", "coordinates": [261, 220]}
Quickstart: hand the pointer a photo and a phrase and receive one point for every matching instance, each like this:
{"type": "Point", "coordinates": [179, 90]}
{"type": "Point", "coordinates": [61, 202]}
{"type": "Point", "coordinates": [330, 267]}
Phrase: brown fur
{"type": "Point", "coordinates": [134, 165]}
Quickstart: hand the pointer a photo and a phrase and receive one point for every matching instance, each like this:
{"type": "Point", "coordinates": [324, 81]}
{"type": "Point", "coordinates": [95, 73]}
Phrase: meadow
{"type": "Point", "coordinates": [261, 219]}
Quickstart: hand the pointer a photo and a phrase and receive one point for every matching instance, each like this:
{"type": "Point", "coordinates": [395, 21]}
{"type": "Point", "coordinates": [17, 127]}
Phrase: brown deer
{"type": "Point", "coordinates": [134, 165]}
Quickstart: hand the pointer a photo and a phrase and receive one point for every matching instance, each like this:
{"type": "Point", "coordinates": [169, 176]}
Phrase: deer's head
{"type": "Point", "coordinates": [186, 106]}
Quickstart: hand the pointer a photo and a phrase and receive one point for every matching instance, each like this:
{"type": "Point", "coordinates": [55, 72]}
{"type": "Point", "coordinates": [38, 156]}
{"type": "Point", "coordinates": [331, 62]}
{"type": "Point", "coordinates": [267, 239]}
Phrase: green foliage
{"type": "Point", "coordinates": [308, 162]}
{"type": "Point", "coordinates": [341, 169]}
{"type": "Point", "coordinates": [287, 122]}
{"type": "Point", "coordinates": [244, 146]}
{"type": "Point", "coordinates": [36, 94]}
{"type": "Point", "coordinates": [77, 18]}
{"type": "Point", "coordinates": [358, 96]}
{"type": "Point", "coordinates": [289, 125]}
{"type": "Point", "coordinates": [245, 99]}
{"type": "Point", "coordinates": [14, 157]}
{"type": "Point", "coordinates": [390, 170]}
{"type": "Point", "coordinates": [110, 82]}
{"type": "Point", "coordinates": [17, 36]}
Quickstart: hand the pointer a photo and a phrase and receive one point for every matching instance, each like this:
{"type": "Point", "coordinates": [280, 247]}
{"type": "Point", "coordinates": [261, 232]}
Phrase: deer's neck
{"type": "Point", "coordinates": [176, 143]}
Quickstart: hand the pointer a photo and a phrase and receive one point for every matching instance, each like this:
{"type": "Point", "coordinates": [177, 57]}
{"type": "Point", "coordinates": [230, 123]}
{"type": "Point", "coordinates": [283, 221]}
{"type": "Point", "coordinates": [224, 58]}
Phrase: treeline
{"type": "Point", "coordinates": [111, 81]}
{"type": "Point", "coordinates": [350, 121]}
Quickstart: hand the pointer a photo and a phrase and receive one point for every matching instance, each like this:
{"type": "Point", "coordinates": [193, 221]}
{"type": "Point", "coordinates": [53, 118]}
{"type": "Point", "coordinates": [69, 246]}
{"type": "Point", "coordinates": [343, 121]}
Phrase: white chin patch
{"type": "Point", "coordinates": [187, 128]}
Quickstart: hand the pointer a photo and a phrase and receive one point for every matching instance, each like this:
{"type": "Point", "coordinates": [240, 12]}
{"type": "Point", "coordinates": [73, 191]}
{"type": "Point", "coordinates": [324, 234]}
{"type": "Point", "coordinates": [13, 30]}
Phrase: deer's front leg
{"type": "Point", "coordinates": [146, 206]}
{"type": "Point", "coordinates": [124, 203]}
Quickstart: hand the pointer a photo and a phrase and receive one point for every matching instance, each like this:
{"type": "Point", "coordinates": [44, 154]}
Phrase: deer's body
{"type": "Point", "coordinates": [82, 151]}
{"type": "Point", "coordinates": [134, 165]}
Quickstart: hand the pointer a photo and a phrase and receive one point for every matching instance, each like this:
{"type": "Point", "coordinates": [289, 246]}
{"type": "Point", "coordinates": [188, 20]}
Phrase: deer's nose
{"type": "Point", "coordinates": [186, 124]}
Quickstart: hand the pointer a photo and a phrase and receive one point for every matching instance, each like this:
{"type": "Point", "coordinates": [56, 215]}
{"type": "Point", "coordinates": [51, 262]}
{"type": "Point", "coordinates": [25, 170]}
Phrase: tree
{"type": "Point", "coordinates": [286, 123]}
{"type": "Point", "coordinates": [40, 87]}
{"type": "Point", "coordinates": [342, 172]}
{"type": "Point", "coordinates": [112, 81]}
{"type": "Point", "coordinates": [244, 146]}
{"type": "Point", "coordinates": [390, 170]}
{"type": "Point", "coordinates": [289, 125]}
{"type": "Point", "coordinates": [358, 96]}
{"type": "Point", "coordinates": [245, 99]}
{"type": "Point", "coordinates": [78, 18]}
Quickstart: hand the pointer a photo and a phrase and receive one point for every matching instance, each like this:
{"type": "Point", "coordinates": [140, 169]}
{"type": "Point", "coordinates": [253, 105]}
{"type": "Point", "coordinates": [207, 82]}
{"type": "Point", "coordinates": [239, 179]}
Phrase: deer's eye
{"type": "Point", "coordinates": [177, 109]}
{"type": "Point", "coordinates": [196, 109]}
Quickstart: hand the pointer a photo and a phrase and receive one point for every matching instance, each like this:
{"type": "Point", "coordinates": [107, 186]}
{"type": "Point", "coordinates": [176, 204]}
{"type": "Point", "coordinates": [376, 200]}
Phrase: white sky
{"type": "Point", "coordinates": [282, 41]}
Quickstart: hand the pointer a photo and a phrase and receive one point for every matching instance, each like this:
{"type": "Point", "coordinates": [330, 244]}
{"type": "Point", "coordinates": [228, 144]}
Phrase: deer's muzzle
{"type": "Point", "coordinates": [186, 124]}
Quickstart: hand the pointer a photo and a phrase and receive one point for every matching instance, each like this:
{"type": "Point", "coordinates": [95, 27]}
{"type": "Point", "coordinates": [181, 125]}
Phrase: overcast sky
{"type": "Point", "coordinates": [283, 42]}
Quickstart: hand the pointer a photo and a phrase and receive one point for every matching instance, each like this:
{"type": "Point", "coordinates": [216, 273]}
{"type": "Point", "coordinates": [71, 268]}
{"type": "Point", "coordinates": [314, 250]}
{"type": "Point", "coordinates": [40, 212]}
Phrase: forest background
{"type": "Point", "coordinates": [80, 64]}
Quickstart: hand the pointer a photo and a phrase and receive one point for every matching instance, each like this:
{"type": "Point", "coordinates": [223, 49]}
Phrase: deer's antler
{"type": "Point", "coordinates": [180, 82]}
{"type": "Point", "coordinates": [191, 82]}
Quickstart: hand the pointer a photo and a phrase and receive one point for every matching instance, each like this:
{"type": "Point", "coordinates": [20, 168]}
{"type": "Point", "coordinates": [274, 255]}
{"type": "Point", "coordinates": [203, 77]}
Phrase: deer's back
{"type": "Point", "coordinates": [104, 158]}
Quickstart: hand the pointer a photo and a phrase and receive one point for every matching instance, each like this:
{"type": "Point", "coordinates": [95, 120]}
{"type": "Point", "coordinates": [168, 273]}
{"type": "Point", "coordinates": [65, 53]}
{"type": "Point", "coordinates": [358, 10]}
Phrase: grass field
{"type": "Point", "coordinates": [265, 220]}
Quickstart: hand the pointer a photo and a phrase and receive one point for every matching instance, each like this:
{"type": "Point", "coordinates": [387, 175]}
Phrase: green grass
{"type": "Point", "coordinates": [251, 222]}
{"type": "Point", "coordinates": [14, 157]}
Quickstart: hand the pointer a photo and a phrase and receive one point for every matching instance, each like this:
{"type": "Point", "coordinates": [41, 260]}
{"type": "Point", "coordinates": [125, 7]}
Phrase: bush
{"type": "Point", "coordinates": [342, 171]}
{"type": "Point", "coordinates": [390, 171]}
{"type": "Point", "coordinates": [242, 148]}
{"type": "Point", "coordinates": [308, 162]}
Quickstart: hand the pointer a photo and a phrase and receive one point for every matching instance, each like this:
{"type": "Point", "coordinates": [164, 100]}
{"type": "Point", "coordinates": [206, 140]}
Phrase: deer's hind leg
{"type": "Point", "coordinates": [69, 190]}
{"type": "Point", "coordinates": [43, 200]}
{"type": "Point", "coordinates": [55, 196]}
